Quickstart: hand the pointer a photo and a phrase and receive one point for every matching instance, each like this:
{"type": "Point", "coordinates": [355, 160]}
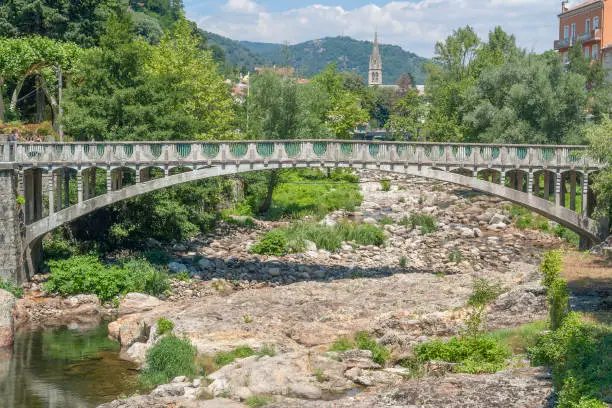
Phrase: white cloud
{"type": "Point", "coordinates": [241, 6]}
{"type": "Point", "coordinates": [414, 25]}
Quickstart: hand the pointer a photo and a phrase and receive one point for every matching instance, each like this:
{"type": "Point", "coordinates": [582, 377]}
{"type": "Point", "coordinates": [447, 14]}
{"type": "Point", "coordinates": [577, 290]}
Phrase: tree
{"type": "Point", "coordinates": [407, 115]}
{"type": "Point", "coordinates": [345, 110]}
{"type": "Point", "coordinates": [352, 82]}
{"type": "Point", "coordinates": [405, 83]}
{"type": "Point", "coordinates": [600, 141]}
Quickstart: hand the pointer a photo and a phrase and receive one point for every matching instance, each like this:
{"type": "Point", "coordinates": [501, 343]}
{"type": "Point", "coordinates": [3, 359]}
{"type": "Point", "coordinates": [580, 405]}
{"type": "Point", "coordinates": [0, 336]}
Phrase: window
{"type": "Point", "coordinates": [595, 51]}
{"type": "Point", "coordinates": [566, 32]}
{"type": "Point", "coordinates": [595, 23]}
{"type": "Point", "coordinates": [587, 51]}
{"type": "Point", "coordinates": [587, 26]}
{"type": "Point", "coordinates": [573, 31]}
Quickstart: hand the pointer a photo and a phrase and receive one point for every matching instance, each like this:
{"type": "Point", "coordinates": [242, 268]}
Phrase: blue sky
{"type": "Point", "coordinates": [415, 25]}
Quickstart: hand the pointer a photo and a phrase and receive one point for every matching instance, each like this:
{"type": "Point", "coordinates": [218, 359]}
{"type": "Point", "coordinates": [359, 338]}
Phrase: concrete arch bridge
{"type": "Point", "coordinates": [534, 176]}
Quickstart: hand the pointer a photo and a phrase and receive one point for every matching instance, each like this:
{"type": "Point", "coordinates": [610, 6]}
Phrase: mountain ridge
{"type": "Point", "coordinates": [310, 57]}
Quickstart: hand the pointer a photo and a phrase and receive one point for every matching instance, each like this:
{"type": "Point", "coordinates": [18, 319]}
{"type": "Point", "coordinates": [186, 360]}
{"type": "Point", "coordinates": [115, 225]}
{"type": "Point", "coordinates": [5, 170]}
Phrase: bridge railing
{"type": "Point", "coordinates": [291, 151]}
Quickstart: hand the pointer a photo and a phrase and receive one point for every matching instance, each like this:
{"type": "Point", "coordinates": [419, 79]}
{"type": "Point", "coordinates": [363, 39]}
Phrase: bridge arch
{"type": "Point", "coordinates": [578, 223]}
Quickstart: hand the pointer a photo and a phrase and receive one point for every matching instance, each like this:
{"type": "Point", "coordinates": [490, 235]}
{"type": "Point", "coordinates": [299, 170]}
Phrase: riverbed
{"type": "Point", "coordinates": [64, 368]}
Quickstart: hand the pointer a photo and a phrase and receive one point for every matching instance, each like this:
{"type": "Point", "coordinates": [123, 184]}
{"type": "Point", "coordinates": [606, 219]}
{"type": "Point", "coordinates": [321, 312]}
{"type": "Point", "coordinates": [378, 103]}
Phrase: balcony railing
{"type": "Point", "coordinates": [584, 37]}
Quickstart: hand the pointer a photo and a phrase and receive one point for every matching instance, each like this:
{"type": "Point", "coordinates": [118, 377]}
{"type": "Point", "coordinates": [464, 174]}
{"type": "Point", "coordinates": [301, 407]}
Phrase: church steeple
{"type": "Point", "coordinates": [375, 74]}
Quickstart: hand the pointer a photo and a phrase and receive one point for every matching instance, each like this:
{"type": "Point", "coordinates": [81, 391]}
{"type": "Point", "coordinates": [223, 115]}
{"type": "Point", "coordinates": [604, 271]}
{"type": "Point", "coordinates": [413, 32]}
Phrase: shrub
{"type": "Point", "coordinates": [11, 287]}
{"type": "Point", "coordinates": [86, 274]}
{"type": "Point", "coordinates": [341, 345]}
{"type": "Point", "coordinates": [226, 357]}
{"type": "Point", "coordinates": [403, 262]}
{"type": "Point", "coordinates": [157, 257]}
{"type": "Point", "coordinates": [58, 247]}
{"type": "Point", "coordinates": [455, 256]}
{"type": "Point", "coordinates": [291, 239]}
{"type": "Point", "coordinates": [385, 185]}
{"type": "Point", "coordinates": [182, 276]}
{"type": "Point", "coordinates": [551, 266]}
{"type": "Point", "coordinates": [274, 243]}
{"type": "Point", "coordinates": [386, 221]}
{"type": "Point", "coordinates": [556, 288]}
{"type": "Point", "coordinates": [481, 354]}
{"type": "Point", "coordinates": [256, 401]}
{"type": "Point", "coordinates": [164, 326]}
{"type": "Point", "coordinates": [170, 357]}
{"type": "Point", "coordinates": [579, 354]}
{"type": "Point", "coordinates": [567, 234]}
{"type": "Point", "coordinates": [380, 354]}
{"type": "Point", "coordinates": [427, 223]}
{"type": "Point", "coordinates": [483, 292]}
{"type": "Point", "coordinates": [267, 350]}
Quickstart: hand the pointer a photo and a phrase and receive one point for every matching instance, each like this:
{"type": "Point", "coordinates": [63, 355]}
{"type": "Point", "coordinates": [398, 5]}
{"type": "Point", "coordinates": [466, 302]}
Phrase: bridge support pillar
{"type": "Point", "coordinates": [12, 228]}
{"type": "Point", "coordinates": [573, 190]}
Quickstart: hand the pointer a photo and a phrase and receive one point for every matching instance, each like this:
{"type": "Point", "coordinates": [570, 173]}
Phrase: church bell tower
{"type": "Point", "coordinates": [375, 75]}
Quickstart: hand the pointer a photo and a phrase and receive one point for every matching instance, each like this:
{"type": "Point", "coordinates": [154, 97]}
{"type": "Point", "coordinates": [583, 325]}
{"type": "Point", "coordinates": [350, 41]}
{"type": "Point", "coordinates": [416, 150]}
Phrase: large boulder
{"type": "Point", "coordinates": [138, 303]}
{"type": "Point", "coordinates": [7, 328]}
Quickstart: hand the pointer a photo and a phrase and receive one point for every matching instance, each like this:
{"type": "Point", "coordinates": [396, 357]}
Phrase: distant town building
{"type": "Point", "coordinates": [585, 23]}
{"type": "Point", "coordinates": [375, 76]}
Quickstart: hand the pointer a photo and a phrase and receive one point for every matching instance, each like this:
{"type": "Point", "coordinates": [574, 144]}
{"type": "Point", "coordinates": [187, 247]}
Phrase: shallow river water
{"type": "Point", "coordinates": [63, 369]}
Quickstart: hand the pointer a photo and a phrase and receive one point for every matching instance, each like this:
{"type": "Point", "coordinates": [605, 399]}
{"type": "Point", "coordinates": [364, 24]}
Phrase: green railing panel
{"type": "Point", "coordinates": [461, 152]}
{"type": "Point", "coordinates": [319, 148]}
{"type": "Point", "coordinates": [101, 149]}
{"type": "Point", "coordinates": [183, 149]}
{"type": "Point", "coordinates": [374, 149]}
{"type": "Point", "coordinates": [58, 150]}
{"type": "Point", "coordinates": [210, 150]}
{"type": "Point", "coordinates": [547, 153]}
{"type": "Point", "coordinates": [238, 150]}
{"type": "Point", "coordinates": [265, 149]}
{"type": "Point", "coordinates": [573, 155]}
{"type": "Point", "coordinates": [347, 149]}
{"type": "Point", "coordinates": [293, 149]}
{"type": "Point", "coordinates": [521, 152]}
{"type": "Point", "coordinates": [128, 150]}
{"type": "Point", "coordinates": [434, 152]}
{"type": "Point", "coordinates": [156, 150]}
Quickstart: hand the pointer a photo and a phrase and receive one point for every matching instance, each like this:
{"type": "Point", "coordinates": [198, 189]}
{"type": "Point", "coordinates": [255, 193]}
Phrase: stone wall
{"type": "Point", "coordinates": [11, 265]}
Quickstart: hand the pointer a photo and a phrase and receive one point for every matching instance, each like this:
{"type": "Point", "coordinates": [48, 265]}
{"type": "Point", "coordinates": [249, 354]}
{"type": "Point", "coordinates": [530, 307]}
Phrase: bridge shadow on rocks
{"type": "Point", "coordinates": [284, 272]}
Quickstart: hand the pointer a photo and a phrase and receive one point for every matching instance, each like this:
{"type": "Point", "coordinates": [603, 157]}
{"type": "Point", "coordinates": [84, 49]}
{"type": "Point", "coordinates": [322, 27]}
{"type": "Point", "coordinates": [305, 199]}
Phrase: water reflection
{"type": "Point", "coordinates": [63, 369]}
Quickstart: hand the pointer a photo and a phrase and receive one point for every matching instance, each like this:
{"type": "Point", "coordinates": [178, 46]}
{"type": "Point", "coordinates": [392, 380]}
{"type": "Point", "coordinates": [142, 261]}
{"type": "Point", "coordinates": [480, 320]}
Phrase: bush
{"type": "Point", "coordinates": [567, 234]}
{"type": "Point", "coordinates": [385, 185]}
{"type": "Point", "coordinates": [86, 274]}
{"type": "Point", "coordinates": [579, 354]}
{"type": "Point", "coordinates": [483, 292]}
{"type": "Point", "coordinates": [227, 357]}
{"type": "Point", "coordinates": [386, 221]}
{"type": "Point", "coordinates": [291, 239]}
{"type": "Point", "coordinates": [403, 262]}
{"type": "Point", "coordinates": [158, 257]}
{"type": "Point", "coordinates": [58, 247]}
{"type": "Point", "coordinates": [164, 326]}
{"type": "Point", "coordinates": [170, 357]}
{"type": "Point", "coordinates": [481, 354]}
{"type": "Point", "coordinates": [556, 287]}
{"type": "Point", "coordinates": [274, 243]}
{"type": "Point", "coordinates": [341, 345]}
{"type": "Point", "coordinates": [380, 354]}
{"type": "Point", "coordinates": [455, 256]}
{"type": "Point", "coordinates": [11, 287]}
{"type": "Point", "coordinates": [427, 223]}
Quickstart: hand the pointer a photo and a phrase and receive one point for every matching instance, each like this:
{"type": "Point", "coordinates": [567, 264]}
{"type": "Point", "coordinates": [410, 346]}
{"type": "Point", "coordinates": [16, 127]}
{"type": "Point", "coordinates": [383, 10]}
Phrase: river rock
{"type": "Point", "coordinates": [7, 328]}
{"type": "Point", "coordinates": [176, 267]}
{"type": "Point", "coordinates": [500, 226]}
{"type": "Point", "coordinates": [138, 303]}
{"type": "Point", "coordinates": [359, 358]}
{"type": "Point", "coordinates": [128, 330]}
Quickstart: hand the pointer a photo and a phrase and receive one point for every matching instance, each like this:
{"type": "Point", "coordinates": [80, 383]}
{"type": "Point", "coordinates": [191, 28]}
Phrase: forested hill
{"type": "Point", "coordinates": [312, 57]}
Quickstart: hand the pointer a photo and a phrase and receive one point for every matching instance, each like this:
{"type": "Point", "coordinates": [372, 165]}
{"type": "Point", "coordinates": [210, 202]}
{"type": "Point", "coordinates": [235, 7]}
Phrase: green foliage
{"type": "Point", "coordinates": [86, 274]}
{"type": "Point", "coordinates": [164, 326]}
{"type": "Point", "coordinates": [567, 234]}
{"type": "Point", "coordinates": [274, 243]}
{"type": "Point", "coordinates": [600, 142]}
{"type": "Point", "coordinates": [403, 262]}
{"type": "Point", "coordinates": [182, 276]}
{"type": "Point", "coordinates": [291, 239]}
{"type": "Point", "coordinates": [256, 401]}
{"type": "Point", "coordinates": [556, 286]}
{"type": "Point", "coordinates": [385, 185]}
{"type": "Point", "coordinates": [407, 115]}
{"type": "Point", "coordinates": [266, 350]}
{"type": "Point", "coordinates": [520, 339]}
{"type": "Point", "coordinates": [11, 287]}
{"type": "Point", "coordinates": [56, 246]}
{"type": "Point", "coordinates": [579, 354]}
{"type": "Point", "coordinates": [427, 223]}
{"type": "Point", "coordinates": [474, 355]}
{"type": "Point", "coordinates": [364, 341]}
{"type": "Point", "coordinates": [386, 221]}
{"type": "Point", "coordinates": [484, 292]}
{"type": "Point", "coordinates": [20, 200]}
{"type": "Point", "coordinates": [170, 357]}
{"type": "Point", "coordinates": [227, 357]}
{"type": "Point", "coordinates": [157, 257]}
{"type": "Point", "coordinates": [341, 345]}
{"type": "Point", "coordinates": [455, 256]}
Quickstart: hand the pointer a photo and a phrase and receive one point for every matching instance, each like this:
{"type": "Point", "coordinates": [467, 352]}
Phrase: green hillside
{"type": "Point", "coordinates": [350, 54]}
{"type": "Point", "coordinates": [235, 53]}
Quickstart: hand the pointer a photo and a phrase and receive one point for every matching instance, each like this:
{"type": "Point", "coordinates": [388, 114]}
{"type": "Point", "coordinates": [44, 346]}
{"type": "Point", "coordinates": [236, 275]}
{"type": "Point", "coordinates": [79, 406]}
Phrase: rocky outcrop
{"type": "Point", "coordinates": [7, 327]}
